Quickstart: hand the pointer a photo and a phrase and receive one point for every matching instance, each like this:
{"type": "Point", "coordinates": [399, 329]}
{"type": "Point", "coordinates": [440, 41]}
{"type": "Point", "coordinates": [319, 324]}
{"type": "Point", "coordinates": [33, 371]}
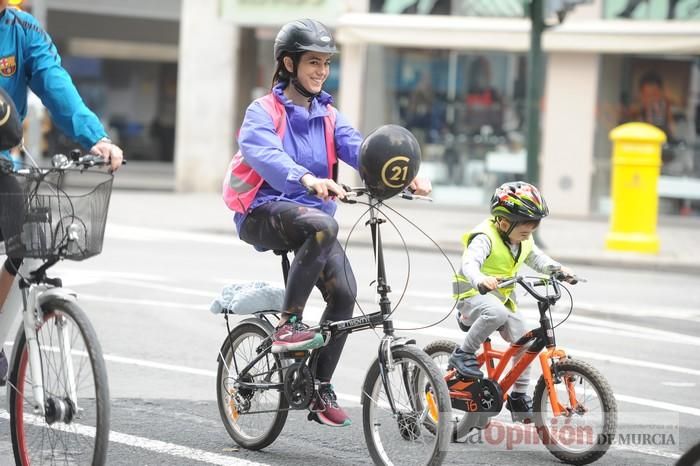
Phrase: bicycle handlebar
{"type": "Point", "coordinates": [529, 285]}
{"type": "Point", "coordinates": [353, 192]}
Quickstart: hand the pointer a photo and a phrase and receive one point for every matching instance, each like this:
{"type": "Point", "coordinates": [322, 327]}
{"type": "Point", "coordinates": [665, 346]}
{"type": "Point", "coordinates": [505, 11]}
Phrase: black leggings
{"type": "Point", "coordinates": [319, 261]}
{"type": "Point", "coordinates": [11, 210]}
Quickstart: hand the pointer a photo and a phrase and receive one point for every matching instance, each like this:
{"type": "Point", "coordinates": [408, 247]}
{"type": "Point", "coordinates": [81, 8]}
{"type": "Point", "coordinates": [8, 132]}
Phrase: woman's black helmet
{"type": "Point", "coordinates": [303, 35]}
{"type": "Point", "coordinates": [389, 160]}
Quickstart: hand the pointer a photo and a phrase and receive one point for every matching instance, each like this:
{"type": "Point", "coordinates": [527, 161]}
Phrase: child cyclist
{"type": "Point", "coordinates": [281, 214]}
{"type": "Point", "coordinates": [495, 249]}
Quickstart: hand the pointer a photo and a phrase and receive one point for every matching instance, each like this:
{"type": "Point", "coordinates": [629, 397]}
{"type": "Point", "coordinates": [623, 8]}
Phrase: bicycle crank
{"type": "Point", "coordinates": [298, 385]}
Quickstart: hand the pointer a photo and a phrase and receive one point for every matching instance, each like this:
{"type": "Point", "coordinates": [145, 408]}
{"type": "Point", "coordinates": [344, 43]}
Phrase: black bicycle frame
{"type": "Point", "coordinates": [342, 327]}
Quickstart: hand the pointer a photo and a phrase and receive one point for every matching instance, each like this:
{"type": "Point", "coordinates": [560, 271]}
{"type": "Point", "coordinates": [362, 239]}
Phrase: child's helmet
{"type": "Point", "coordinates": [518, 202]}
{"type": "Point", "coordinates": [303, 35]}
{"type": "Point", "coordinates": [389, 160]}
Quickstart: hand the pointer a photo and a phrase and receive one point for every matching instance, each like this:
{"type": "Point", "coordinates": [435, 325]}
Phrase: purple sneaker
{"type": "Point", "coordinates": [325, 409]}
{"type": "Point", "coordinates": [295, 336]}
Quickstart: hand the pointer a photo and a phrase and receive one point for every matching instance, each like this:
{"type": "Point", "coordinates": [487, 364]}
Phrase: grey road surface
{"type": "Point", "coordinates": [148, 296]}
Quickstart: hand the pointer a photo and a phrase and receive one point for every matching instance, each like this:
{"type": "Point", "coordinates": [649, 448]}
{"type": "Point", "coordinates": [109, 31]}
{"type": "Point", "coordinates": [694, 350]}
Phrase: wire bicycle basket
{"type": "Point", "coordinates": [55, 213]}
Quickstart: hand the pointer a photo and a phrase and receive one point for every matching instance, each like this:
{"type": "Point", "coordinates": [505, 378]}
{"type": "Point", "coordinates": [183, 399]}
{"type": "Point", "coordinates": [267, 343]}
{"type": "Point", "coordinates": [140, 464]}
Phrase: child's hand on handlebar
{"type": "Point", "coordinates": [323, 187]}
{"type": "Point", "coordinates": [568, 275]}
{"type": "Point", "coordinates": [488, 284]}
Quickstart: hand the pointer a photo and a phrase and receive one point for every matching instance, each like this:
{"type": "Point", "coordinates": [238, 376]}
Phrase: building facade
{"type": "Point", "coordinates": [452, 71]}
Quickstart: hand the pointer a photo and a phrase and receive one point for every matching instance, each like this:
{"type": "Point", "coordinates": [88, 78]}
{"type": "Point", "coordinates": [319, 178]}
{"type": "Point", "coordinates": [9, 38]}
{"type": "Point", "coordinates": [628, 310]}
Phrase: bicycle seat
{"type": "Point", "coordinates": [281, 252]}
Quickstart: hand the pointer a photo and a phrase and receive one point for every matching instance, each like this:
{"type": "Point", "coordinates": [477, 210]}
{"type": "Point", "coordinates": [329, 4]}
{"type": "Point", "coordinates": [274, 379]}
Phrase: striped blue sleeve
{"type": "Point", "coordinates": [51, 82]}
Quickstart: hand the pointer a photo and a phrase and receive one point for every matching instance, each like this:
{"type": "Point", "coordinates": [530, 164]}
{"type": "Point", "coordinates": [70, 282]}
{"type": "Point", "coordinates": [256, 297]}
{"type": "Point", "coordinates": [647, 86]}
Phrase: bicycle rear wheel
{"type": "Point", "coordinates": [584, 431]}
{"type": "Point", "coordinates": [253, 417]}
{"type": "Point", "coordinates": [419, 431]}
{"type": "Point", "coordinates": [71, 430]}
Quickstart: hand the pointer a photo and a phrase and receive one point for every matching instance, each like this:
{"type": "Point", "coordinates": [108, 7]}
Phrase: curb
{"type": "Point", "coordinates": [599, 259]}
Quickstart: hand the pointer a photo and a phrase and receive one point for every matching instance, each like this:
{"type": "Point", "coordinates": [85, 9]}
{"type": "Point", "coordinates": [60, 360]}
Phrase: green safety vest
{"type": "Point", "coordinates": [500, 263]}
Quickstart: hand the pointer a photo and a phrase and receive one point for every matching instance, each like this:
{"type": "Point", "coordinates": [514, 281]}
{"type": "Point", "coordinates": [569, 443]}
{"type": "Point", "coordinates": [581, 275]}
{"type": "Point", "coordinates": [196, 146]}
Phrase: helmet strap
{"type": "Point", "coordinates": [301, 89]}
{"type": "Point", "coordinates": [505, 235]}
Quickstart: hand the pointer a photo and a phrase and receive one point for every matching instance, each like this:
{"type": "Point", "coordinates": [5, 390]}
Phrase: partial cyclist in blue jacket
{"type": "Point", "coordinates": [29, 60]}
{"type": "Point", "coordinates": [284, 216]}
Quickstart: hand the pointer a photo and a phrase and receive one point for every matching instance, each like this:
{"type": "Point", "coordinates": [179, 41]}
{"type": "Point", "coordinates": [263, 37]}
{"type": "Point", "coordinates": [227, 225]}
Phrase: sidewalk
{"type": "Point", "coordinates": [571, 241]}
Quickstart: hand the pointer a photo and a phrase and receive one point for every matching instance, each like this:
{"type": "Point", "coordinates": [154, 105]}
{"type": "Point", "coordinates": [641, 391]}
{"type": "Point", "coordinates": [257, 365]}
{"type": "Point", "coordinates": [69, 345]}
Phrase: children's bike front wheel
{"type": "Point", "coordinates": [418, 430]}
{"type": "Point", "coordinates": [586, 426]}
{"type": "Point", "coordinates": [74, 428]}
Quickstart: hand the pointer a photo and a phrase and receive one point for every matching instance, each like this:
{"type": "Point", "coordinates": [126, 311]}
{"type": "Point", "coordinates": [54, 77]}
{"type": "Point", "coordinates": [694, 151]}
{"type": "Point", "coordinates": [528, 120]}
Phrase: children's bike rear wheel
{"type": "Point", "coordinates": [74, 433]}
{"type": "Point", "coordinates": [583, 433]}
{"type": "Point", "coordinates": [253, 417]}
{"type": "Point", "coordinates": [410, 436]}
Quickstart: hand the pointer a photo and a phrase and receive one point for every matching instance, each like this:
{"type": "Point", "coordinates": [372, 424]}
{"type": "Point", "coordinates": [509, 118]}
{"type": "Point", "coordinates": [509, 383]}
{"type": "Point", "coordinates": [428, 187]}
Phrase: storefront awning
{"type": "Point", "coordinates": [512, 34]}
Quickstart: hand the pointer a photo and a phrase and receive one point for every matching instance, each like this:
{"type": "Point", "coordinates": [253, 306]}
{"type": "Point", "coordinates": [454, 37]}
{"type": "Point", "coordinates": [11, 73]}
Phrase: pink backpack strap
{"type": "Point", "coordinates": [329, 130]}
{"type": "Point", "coordinates": [275, 109]}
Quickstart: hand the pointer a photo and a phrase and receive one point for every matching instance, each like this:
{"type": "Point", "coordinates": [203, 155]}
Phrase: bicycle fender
{"type": "Point", "coordinates": [56, 293]}
{"type": "Point", "coordinates": [402, 341]}
{"type": "Point", "coordinates": [263, 324]}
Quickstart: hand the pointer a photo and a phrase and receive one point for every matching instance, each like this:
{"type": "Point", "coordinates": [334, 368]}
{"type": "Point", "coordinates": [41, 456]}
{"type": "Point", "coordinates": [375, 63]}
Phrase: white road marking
{"type": "Point", "coordinates": [133, 233]}
{"type": "Point", "coordinates": [659, 404]}
{"type": "Point", "coordinates": [679, 384]}
{"type": "Point", "coordinates": [156, 446]}
{"type": "Point", "coordinates": [314, 313]}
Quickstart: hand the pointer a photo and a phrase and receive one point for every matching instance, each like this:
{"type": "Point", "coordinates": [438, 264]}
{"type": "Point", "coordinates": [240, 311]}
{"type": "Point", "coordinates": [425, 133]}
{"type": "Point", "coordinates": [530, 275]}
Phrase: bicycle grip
{"type": "Point", "coordinates": [482, 289]}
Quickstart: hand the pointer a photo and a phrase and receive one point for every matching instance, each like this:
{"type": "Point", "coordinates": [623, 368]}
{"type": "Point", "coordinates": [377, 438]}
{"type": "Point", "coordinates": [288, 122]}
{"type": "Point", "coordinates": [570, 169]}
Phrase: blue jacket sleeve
{"type": "Point", "coordinates": [51, 82]}
{"type": "Point", "coordinates": [347, 140]}
{"type": "Point", "coordinates": [262, 149]}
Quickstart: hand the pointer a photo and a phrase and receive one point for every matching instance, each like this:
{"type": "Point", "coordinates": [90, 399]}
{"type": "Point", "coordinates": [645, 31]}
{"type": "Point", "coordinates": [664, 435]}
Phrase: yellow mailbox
{"type": "Point", "coordinates": [636, 164]}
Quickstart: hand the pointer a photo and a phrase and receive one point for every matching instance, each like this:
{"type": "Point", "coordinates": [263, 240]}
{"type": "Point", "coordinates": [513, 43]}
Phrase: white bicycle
{"type": "Point", "coordinates": [57, 386]}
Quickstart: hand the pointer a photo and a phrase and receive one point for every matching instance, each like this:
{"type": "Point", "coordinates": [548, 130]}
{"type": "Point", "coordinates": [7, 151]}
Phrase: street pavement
{"type": "Point", "coordinates": [145, 192]}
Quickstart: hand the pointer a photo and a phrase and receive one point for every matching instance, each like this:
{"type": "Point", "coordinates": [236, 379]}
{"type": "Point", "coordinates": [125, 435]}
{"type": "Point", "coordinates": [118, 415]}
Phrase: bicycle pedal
{"type": "Point", "coordinates": [523, 418]}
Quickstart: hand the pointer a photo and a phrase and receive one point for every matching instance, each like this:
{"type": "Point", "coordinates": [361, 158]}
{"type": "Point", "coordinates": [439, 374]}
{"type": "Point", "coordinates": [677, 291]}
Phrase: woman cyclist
{"type": "Point", "coordinates": [282, 215]}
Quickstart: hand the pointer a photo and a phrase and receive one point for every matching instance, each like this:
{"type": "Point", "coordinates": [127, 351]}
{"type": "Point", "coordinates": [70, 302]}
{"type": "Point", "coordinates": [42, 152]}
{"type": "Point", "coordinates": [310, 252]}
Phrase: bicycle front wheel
{"type": "Point", "coordinates": [253, 417]}
{"type": "Point", "coordinates": [418, 430]}
{"type": "Point", "coordinates": [74, 427]}
{"type": "Point", "coordinates": [582, 433]}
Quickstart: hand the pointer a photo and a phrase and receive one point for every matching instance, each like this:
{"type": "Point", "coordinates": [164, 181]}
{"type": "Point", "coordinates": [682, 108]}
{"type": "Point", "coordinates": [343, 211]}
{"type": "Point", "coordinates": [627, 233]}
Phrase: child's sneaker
{"type": "Point", "coordinates": [295, 336]}
{"type": "Point", "coordinates": [325, 408]}
{"type": "Point", "coordinates": [520, 406]}
{"type": "Point", "coordinates": [465, 363]}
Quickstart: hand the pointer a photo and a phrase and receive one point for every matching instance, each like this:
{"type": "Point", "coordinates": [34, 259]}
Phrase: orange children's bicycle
{"type": "Point", "coordinates": [575, 412]}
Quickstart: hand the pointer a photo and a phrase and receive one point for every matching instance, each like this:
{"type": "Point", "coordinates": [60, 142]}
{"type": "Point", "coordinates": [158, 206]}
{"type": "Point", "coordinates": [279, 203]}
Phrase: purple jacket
{"type": "Point", "coordinates": [282, 163]}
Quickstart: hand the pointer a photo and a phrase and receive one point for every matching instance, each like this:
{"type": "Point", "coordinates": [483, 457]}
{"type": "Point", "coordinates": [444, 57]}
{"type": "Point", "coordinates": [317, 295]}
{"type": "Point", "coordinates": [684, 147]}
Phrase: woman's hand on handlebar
{"type": "Point", "coordinates": [110, 152]}
{"type": "Point", "coordinates": [420, 186]}
{"type": "Point", "coordinates": [324, 187]}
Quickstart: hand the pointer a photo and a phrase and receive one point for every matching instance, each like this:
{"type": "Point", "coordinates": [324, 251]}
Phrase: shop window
{"type": "Point", "coordinates": [665, 93]}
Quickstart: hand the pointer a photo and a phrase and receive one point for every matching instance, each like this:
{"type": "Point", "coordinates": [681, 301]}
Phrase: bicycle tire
{"type": "Point", "coordinates": [64, 436]}
{"type": "Point", "coordinates": [230, 414]}
{"type": "Point", "coordinates": [691, 457]}
{"type": "Point", "coordinates": [576, 370]}
{"type": "Point", "coordinates": [413, 440]}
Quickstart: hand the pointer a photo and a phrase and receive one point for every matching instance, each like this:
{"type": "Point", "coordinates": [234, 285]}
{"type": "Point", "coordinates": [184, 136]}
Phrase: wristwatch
{"type": "Point", "coordinates": [106, 139]}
